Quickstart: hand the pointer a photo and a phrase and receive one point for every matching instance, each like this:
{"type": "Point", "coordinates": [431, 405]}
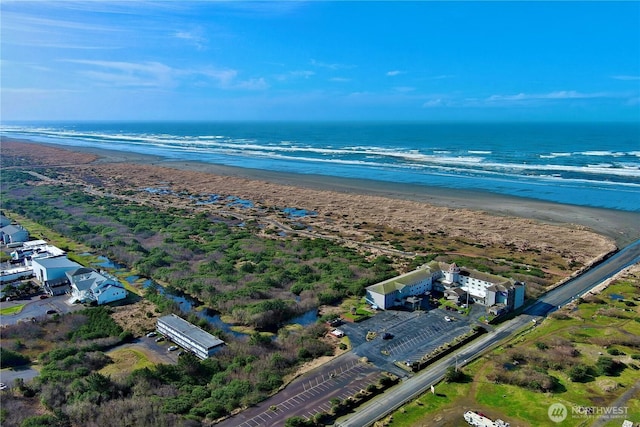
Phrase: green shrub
{"type": "Point", "coordinates": [9, 358]}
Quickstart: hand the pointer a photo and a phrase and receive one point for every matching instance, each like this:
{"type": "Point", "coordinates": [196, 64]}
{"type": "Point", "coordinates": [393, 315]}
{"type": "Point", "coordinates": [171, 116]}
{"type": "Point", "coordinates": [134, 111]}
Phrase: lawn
{"type": "Point", "coordinates": [11, 310]}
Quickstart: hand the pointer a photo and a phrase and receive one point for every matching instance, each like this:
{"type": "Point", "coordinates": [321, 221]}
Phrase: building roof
{"type": "Point", "coordinates": [457, 291]}
{"type": "Point", "coordinates": [79, 271]}
{"type": "Point", "coordinates": [87, 278]}
{"type": "Point", "coordinates": [192, 331]}
{"type": "Point", "coordinates": [12, 229]}
{"type": "Point", "coordinates": [56, 262]}
{"type": "Point", "coordinates": [398, 283]}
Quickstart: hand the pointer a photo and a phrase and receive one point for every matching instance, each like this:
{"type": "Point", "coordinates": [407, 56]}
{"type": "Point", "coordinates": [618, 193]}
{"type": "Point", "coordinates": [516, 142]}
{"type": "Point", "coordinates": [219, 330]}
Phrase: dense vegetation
{"type": "Point", "coordinates": [218, 260]}
{"type": "Point", "coordinates": [71, 351]}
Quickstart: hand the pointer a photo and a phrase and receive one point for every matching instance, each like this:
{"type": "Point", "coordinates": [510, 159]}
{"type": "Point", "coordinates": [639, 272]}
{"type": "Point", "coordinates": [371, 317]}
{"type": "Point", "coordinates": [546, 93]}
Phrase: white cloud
{"type": "Point", "coordinates": [129, 74]}
{"type": "Point", "coordinates": [330, 66]}
{"type": "Point", "coordinates": [563, 94]}
{"type": "Point", "coordinates": [339, 79]}
{"type": "Point", "coordinates": [404, 89]}
{"type": "Point", "coordinates": [442, 76]}
{"type": "Point", "coordinates": [304, 74]}
{"type": "Point", "coordinates": [626, 77]}
{"type": "Point", "coordinates": [158, 75]}
{"type": "Point", "coordinates": [433, 103]}
{"type": "Point", "coordinates": [195, 37]}
{"type": "Point", "coordinates": [394, 73]}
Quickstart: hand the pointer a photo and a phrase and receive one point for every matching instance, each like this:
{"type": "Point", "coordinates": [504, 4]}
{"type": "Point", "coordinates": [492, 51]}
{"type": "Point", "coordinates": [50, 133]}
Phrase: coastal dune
{"type": "Point", "coordinates": [580, 233]}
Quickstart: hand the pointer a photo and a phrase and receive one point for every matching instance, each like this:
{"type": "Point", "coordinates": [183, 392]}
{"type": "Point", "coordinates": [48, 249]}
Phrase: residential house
{"type": "Point", "coordinates": [13, 233]}
{"type": "Point", "coordinates": [89, 285]}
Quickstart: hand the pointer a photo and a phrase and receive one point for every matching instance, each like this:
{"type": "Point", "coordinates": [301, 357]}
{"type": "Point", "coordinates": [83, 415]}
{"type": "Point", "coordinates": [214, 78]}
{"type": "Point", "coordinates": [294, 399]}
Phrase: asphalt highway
{"type": "Point", "coordinates": [413, 387]}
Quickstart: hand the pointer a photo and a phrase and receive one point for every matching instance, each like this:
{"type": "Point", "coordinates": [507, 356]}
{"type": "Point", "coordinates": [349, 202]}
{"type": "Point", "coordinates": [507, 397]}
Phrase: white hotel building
{"type": "Point", "coordinates": [500, 293]}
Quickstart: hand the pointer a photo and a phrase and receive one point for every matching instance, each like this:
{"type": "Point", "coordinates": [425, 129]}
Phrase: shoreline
{"type": "Point", "coordinates": [621, 226]}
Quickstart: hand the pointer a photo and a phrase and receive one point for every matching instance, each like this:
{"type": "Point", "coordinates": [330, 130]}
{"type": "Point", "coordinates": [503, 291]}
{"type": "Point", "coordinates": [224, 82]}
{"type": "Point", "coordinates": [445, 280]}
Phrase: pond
{"type": "Point", "coordinates": [105, 262]}
{"type": "Point", "coordinates": [616, 297]}
{"type": "Point", "coordinates": [306, 319]}
{"type": "Point", "coordinates": [188, 305]}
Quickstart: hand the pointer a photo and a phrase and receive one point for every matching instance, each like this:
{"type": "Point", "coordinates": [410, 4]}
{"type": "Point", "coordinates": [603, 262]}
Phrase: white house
{"type": "Point", "coordinates": [89, 285]}
{"type": "Point", "coordinates": [13, 234]}
{"type": "Point", "coordinates": [455, 283]}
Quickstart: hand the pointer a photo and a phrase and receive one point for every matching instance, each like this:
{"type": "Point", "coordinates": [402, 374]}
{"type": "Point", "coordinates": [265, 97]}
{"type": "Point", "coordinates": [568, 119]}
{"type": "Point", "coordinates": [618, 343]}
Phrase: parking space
{"type": "Point", "coordinates": [159, 348]}
{"type": "Point", "coordinates": [339, 379]}
{"type": "Point", "coordinates": [410, 335]}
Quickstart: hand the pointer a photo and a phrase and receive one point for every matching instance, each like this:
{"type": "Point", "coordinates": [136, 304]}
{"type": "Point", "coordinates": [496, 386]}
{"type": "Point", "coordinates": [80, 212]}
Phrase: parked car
{"type": "Point", "coordinates": [387, 336]}
{"type": "Point", "coordinates": [52, 312]}
{"type": "Point", "coordinates": [159, 339]}
{"type": "Point", "coordinates": [151, 334]}
{"type": "Point", "coordinates": [447, 318]}
{"type": "Point", "coordinates": [173, 348]}
{"type": "Point", "coordinates": [3, 386]}
{"type": "Point", "coordinates": [44, 296]}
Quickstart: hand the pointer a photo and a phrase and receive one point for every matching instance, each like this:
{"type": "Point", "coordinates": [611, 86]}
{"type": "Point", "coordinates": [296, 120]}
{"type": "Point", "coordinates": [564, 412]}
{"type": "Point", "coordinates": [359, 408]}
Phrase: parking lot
{"type": "Point", "coordinates": [37, 308]}
{"type": "Point", "coordinates": [310, 394]}
{"type": "Point", "coordinates": [411, 335]}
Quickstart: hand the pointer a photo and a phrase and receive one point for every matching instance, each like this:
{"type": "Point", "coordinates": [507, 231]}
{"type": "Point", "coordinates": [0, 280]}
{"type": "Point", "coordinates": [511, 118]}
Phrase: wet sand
{"type": "Point", "coordinates": [358, 197]}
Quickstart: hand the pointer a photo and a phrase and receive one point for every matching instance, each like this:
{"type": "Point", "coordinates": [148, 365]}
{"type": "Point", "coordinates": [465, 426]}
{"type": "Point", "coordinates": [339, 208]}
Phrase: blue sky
{"type": "Point", "coordinates": [294, 60]}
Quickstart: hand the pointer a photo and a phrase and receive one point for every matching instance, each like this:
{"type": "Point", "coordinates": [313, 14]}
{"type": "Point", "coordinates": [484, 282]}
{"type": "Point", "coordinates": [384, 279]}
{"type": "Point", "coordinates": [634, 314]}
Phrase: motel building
{"type": "Point", "coordinates": [188, 336]}
{"type": "Point", "coordinates": [458, 284]}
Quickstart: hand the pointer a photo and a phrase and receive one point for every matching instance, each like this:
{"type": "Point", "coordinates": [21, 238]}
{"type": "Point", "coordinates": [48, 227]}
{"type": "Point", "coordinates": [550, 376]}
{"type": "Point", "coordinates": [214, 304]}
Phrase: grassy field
{"type": "Point", "coordinates": [125, 361]}
{"type": "Point", "coordinates": [11, 310]}
{"type": "Point", "coordinates": [607, 325]}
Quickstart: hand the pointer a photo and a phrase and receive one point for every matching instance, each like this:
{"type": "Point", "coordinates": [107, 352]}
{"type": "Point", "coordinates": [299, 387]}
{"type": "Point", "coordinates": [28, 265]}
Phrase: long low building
{"type": "Point", "coordinates": [499, 293]}
{"type": "Point", "coordinates": [188, 336]}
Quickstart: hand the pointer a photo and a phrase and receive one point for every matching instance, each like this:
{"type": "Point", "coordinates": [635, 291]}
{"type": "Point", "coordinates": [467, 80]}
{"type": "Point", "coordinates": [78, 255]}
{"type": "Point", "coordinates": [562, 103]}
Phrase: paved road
{"type": "Point", "coordinates": [585, 282]}
{"type": "Point", "coordinates": [419, 384]}
{"type": "Point", "coordinates": [37, 308]}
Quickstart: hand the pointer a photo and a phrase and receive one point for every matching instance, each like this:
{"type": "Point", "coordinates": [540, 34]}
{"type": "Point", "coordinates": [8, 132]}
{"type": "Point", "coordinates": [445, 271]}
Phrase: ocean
{"type": "Point", "coordinates": [587, 164]}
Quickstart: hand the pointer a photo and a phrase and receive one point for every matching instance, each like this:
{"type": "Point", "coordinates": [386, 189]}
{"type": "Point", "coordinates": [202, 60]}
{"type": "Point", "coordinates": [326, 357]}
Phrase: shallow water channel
{"type": "Point", "coordinates": [188, 305]}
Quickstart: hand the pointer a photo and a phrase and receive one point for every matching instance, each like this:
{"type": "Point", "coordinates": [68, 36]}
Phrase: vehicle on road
{"type": "Point", "coordinates": [173, 348]}
{"type": "Point", "coordinates": [151, 334]}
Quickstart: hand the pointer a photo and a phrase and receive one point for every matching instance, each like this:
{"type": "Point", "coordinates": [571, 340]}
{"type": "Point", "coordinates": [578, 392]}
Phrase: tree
{"type": "Point", "coordinates": [454, 375]}
{"type": "Point", "coordinates": [10, 358]}
{"type": "Point", "coordinates": [579, 373]}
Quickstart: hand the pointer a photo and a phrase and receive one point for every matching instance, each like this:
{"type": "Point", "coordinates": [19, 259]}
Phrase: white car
{"type": "Point", "coordinates": [447, 318]}
{"type": "Point", "coordinates": [3, 386]}
{"type": "Point", "coordinates": [173, 348]}
{"type": "Point", "coordinates": [151, 334]}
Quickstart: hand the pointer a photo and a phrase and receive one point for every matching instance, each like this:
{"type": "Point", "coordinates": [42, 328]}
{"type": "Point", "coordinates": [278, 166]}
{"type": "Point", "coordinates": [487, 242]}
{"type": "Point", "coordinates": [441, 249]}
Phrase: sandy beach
{"type": "Point", "coordinates": [577, 232]}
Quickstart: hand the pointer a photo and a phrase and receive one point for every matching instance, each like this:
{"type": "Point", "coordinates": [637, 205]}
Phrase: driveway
{"type": "Point", "coordinates": [37, 308]}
